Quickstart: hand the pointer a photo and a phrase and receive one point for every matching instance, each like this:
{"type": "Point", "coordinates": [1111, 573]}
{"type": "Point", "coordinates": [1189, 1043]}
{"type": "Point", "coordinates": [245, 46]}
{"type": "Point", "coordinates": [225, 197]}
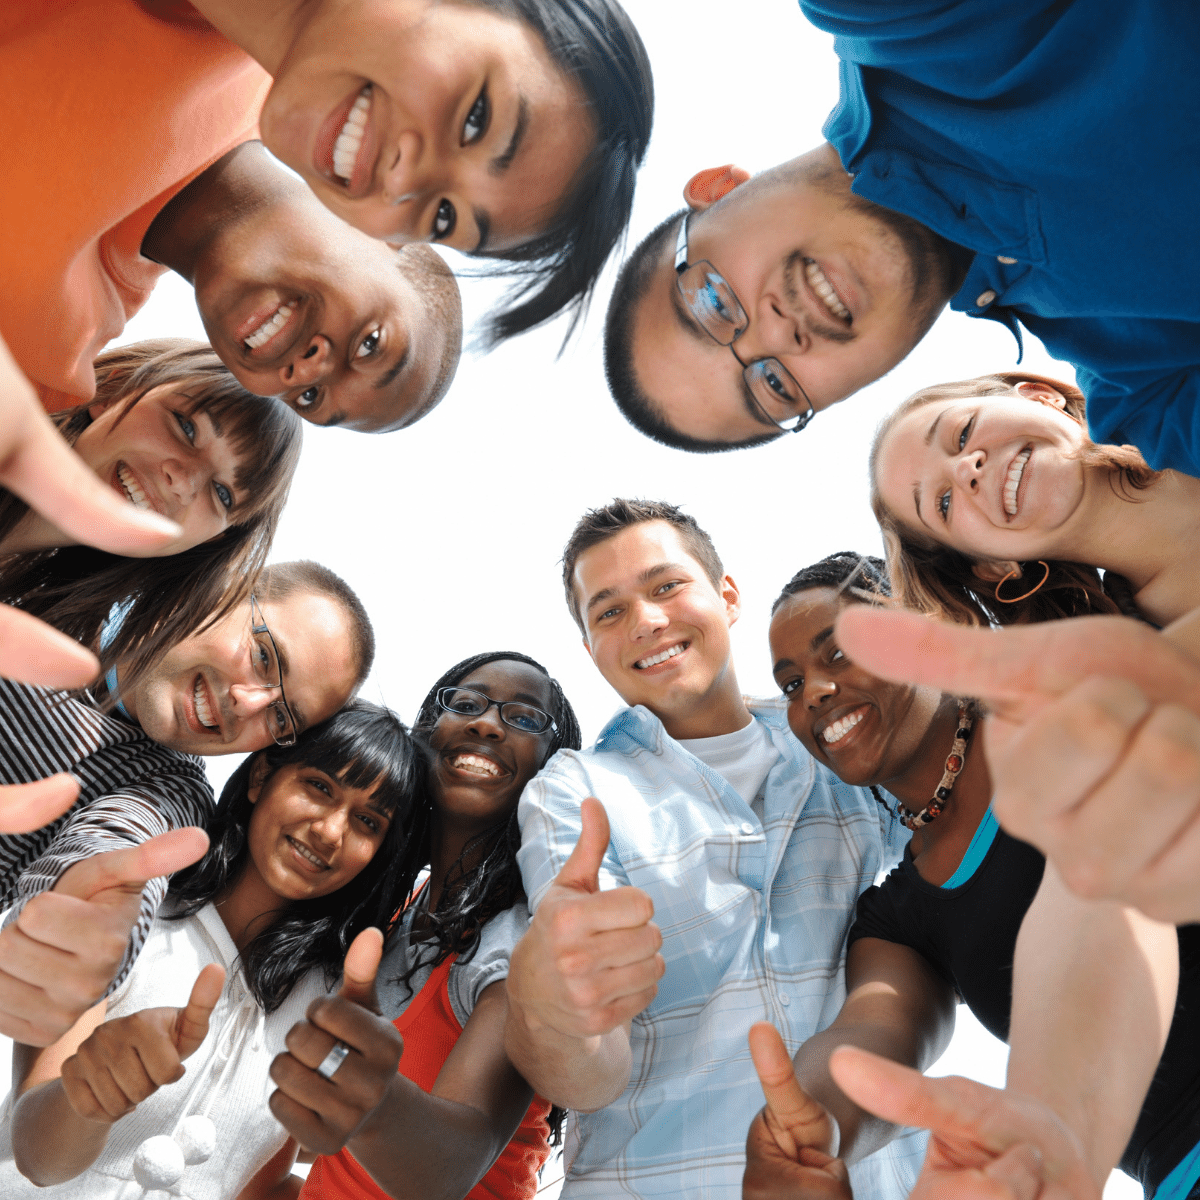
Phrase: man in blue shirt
{"type": "Point", "coordinates": [1034, 163]}
{"type": "Point", "coordinates": [750, 858]}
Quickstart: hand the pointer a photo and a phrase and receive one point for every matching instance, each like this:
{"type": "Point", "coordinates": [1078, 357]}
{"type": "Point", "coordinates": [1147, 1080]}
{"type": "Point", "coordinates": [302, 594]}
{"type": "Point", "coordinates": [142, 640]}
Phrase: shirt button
{"type": "Point", "coordinates": [1008, 262]}
{"type": "Point", "coordinates": [747, 828]}
{"type": "Point", "coordinates": [785, 1000]}
{"type": "Point", "coordinates": [985, 298]}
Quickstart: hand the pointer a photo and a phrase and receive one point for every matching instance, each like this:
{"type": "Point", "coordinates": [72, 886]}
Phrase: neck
{"type": "Point", "coordinates": [723, 710]}
{"type": "Point", "coordinates": [447, 841]}
{"type": "Point", "coordinates": [248, 907]}
{"type": "Point", "coordinates": [236, 186]}
{"type": "Point", "coordinates": [1152, 539]}
{"type": "Point", "coordinates": [265, 29]}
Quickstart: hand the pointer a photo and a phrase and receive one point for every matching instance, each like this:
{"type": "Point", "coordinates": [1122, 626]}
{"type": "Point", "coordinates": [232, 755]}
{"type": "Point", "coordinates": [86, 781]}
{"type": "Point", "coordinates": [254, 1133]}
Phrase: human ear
{"type": "Point", "coordinates": [95, 410]}
{"type": "Point", "coordinates": [706, 187]}
{"type": "Point", "coordinates": [1042, 392]}
{"type": "Point", "coordinates": [588, 647]}
{"type": "Point", "coordinates": [732, 597]}
{"type": "Point", "coordinates": [994, 570]}
{"type": "Point", "coordinates": [260, 769]}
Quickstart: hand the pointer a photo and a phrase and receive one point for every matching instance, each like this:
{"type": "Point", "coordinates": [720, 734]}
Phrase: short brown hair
{"type": "Point", "coordinates": [935, 579]}
{"type": "Point", "coordinates": [599, 524]}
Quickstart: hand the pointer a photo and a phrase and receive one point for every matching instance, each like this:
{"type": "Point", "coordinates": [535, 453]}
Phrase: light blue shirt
{"type": "Point", "coordinates": [754, 916]}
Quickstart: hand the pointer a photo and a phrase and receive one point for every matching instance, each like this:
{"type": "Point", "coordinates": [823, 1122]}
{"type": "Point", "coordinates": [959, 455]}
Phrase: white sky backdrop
{"type": "Point", "coordinates": [452, 531]}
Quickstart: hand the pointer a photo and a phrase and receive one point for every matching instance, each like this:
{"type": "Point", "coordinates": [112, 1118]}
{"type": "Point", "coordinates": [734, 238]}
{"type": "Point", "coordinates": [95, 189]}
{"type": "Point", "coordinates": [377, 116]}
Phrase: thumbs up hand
{"type": "Point", "coordinates": [63, 950]}
{"type": "Point", "coordinates": [130, 1058]}
{"type": "Point", "coordinates": [590, 960]}
{"type": "Point", "coordinates": [323, 1110]}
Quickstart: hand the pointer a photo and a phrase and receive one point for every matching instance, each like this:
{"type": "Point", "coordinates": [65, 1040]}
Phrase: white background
{"type": "Point", "coordinates": [451, 532]}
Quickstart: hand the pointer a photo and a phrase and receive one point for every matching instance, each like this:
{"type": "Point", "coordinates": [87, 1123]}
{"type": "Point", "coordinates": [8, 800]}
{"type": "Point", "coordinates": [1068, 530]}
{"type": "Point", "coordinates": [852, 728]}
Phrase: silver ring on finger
{"type": "Point", "coordinates": [328, 1066]}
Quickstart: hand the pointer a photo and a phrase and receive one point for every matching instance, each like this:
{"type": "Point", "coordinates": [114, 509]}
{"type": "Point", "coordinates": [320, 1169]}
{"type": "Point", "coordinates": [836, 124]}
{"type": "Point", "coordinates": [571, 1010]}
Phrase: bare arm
{"type": "Point", "coordinates": [1093, 996]}
{"type": "Point", "coordinates": [275, 1181]}
{"type": "Point", "coordinates": [897, 1007]}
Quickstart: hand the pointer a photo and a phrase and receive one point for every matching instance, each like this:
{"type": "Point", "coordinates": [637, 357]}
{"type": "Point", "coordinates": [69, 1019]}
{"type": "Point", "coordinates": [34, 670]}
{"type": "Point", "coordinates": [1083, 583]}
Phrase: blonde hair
{"type": "Point", "coordinates": [932, 578]}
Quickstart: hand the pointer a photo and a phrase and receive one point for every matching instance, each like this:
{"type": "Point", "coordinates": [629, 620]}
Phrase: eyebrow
{"type": "Point", "coordinates": [297, 713]}
{"type": "Point", "coordinates": [645, 577]}
{"type": "Point", "coordinates": [385, 380]}
{"type": "Point", "coordinates": [503, 161]}
{"type": "Point", "coordinates": [932, 430]}
{"type": "Point", "coordinates": [821, 638]}
{"type": "Point", "coordinates": [337, 419]}
{"type": "Point", "coordinates": [216, 425]}
{"type": "Point", "coordinates": [685, 318]}
{"type": "Point", "coordinates": [484, 224]}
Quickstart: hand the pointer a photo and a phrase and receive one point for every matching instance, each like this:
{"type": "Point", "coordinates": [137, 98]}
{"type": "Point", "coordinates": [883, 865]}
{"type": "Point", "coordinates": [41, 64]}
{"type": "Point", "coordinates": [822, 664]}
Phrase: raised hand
{"type": "Point", "coordinates": [323, 1114]}
{"type": "Point", "coordinates": [1093, 741]}
{"type": "Point", "coordinates": [63, 950]}
{"type": "Point", "coordinates": [590, 959]}
{"type": "Point", "coordinates": [792, 1141]}
{"type": "Point", "coordinates": [127, 1059]}
{"type": "Point", "coordinates": [984, 1145]}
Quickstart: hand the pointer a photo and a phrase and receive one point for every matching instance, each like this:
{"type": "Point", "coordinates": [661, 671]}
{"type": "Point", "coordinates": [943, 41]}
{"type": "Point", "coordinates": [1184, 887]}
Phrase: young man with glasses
{"type": "Point", "coordinates": [748, 855]}
{"type": "Point", "coordinates": [1005, 159]}
{"type": "Point", "coordinates": [78, 886]}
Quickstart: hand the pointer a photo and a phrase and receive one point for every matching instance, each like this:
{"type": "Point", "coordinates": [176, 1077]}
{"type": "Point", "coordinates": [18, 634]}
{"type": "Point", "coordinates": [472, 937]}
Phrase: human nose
{"type": "Point", "coordinates": [488, 724]}
{"type": "Point", "coordinates": [248, 700]}
{"type": "Point", "coordinates": [968, 468]}
{"type": "Point", "coordinates": [309, 365]}
{"type": "Point", "coordinates": [648, 617]}
{"type": "Point", "coordinates": [818, 690]}
{"type": "Point", "coordinates": [185, 477]}
{"type": "Point", "coordinates": [770, 332]}
{"type": "Point", "coordinates": [407, 183]}
{"type": "Point", "coordinates": [330, 827]}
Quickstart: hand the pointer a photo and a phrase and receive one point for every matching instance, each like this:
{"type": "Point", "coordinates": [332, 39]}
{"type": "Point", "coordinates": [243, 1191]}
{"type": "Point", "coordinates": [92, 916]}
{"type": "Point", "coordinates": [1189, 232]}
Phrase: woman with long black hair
{"type": "Point", "coordinates": [305, 854]}
{"type": "Point", "coordinates": [458, 1120]}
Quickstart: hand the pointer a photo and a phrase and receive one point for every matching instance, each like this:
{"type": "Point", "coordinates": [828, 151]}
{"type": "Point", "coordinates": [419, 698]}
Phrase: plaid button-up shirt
{"type": "Point", "coordinates": [754, 915]}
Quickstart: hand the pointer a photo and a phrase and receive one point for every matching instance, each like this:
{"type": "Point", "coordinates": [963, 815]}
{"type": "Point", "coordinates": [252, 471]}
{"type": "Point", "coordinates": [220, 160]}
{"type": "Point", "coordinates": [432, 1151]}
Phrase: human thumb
{"type": "Point", "coordinates": [191, 1026]}
{"type": "Point", "coordinates": [360, 968]}
{"type": "Point", "coordinates": [794, 1118]}
{"type": "Point", "coordinates": [582, 870]}
{"type": "Point", "coordinates": [122, 873]}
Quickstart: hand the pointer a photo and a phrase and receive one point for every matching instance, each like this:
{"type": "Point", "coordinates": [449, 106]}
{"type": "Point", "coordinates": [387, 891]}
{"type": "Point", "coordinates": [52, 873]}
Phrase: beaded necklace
{"type": "Point", "coordinates": [954, 764]}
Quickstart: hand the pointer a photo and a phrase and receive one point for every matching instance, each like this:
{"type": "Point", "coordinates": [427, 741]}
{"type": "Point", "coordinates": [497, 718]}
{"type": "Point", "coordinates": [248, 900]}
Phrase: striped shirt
{"type": "Point", "coordinates": [130, 789]}
{"type": "Point", "coordinates": [754, 915]}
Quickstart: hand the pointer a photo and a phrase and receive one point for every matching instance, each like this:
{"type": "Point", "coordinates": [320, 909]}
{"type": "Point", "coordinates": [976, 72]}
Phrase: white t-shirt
{"type": "Point", "coordinates": [248, 1136]}
{"type": "Point", "coordinates": [743, 758]}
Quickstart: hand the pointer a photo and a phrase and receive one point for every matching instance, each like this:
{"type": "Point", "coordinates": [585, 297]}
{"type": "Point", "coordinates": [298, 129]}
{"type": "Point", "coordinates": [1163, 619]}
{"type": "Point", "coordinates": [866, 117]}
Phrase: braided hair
{"type": "Point", "coordinates": [485, 881]}
{"type": "Point", "coordinates": [860, 576]}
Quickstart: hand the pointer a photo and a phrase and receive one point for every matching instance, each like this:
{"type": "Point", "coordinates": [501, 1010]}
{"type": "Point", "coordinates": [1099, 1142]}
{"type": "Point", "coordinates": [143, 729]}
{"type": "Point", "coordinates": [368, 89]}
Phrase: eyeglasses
{"type": "Point", "coordinates": [265, 660]}
{"type": "Point", "coordinates": [464, 702]}
{"type": "Point", "coordinates": [779, 399]}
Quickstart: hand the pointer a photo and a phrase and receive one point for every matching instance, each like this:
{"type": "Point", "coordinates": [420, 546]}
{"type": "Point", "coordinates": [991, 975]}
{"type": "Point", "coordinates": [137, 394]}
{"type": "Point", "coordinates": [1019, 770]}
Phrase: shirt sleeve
{"type": "Point", "coordinates": [490, 961]}
{"type": "Point", "coordinates": [881, 913]}
{"type": "Point", "coordinates": [549, 815]}
{"type": "Point", "coordinates": [116, 822]}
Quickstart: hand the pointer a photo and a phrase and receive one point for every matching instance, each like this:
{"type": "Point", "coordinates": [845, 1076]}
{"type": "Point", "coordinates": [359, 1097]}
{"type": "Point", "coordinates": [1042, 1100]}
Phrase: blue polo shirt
{"type": "Point", "coordinates": [1060, 141]}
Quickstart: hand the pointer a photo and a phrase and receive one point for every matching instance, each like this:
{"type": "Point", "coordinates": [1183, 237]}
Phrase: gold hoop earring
{"type": "Point", "coordinates": [1016, 573]}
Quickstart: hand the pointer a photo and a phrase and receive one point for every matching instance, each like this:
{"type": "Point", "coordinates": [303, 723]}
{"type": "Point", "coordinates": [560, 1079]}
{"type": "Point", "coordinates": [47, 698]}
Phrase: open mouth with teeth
{"type": "Point", "coordinates": [835, 731]}
{"type": "Point", "coordinates": [203, 708]}
{"type": "Point", "coordinates": [350, 138]}
{"type": "Point", "coordinates": [825, 291]}
{"type": "Point", "coordinates": [653, 660]}
{"type": "Point", "coordinates": [133, 489]}
{"type": "Point", "coordinates": [306, 854]}
{"type": "Point", "coordinates": [477, 764]}
{"type": "Point", "coordinates": [1012, 481]}
{"type": "Point", "coordinates": [271, 326]}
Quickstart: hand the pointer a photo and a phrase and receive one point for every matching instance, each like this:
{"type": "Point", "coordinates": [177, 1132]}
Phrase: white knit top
{"type": "Point", "coordinates": [248, 1136]}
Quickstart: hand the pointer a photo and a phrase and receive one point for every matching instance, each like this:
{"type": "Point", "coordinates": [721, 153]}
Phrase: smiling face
{"type": "Point", "coordinates": [160, 459]}
{"type": "Point", "coordinates": [298, 304]}
{"type": "Point", "coordinates": [658, 629]}
{"type": "Point", "coordinates": [481, 763]}
{"type": "Point", "coordinates": [418, 121]}
{"type": "Point", "coordinates": [310, 834]}
{"type": "Point", "coordinates": [865, 729]}
{"type": "Point", "coordinates": [994, 477]}
{"type": "Point", "coordinates": [833, 290]}
{"type": "Point", "coordinates": [203, 696]}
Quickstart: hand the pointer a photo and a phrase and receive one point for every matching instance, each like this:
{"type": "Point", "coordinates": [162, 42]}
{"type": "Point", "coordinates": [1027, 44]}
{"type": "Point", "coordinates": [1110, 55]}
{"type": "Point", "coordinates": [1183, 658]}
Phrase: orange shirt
{"type": "Point", "coordinates": [107, 113]}
{"type": "Point", "coordinates": [430, 1029]}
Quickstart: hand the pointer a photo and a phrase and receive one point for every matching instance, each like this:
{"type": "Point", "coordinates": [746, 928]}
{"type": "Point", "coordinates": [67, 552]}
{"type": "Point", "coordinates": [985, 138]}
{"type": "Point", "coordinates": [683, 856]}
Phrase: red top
{"type": "Point", "coordinates": [430, 1030]}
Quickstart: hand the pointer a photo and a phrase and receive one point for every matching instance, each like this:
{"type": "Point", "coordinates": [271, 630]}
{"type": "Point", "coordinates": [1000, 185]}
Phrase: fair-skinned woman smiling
{"type": "Point", "coordinates": [170, 431]}
{"type": "Point", "coordinates": [986, 488]}
{"type": "Point", "coordinates": [458, 1121]}
{"type": "Point", "coordinates": [303, 858]}
{"type": "Point", "coordinates": [509, 128]}
{"type": "Point", "coordinates": [961, 893]}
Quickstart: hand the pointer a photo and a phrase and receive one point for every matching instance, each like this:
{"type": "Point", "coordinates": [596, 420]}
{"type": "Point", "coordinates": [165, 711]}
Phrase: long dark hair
{"type": "Point", "coordinates": [168, 598]}
{"type": "Point", "coordinates": [594, 43]}
{"type": "Point", "coordinates": [931, 578]}
{"type": "Point", "coordinates": [363, 745]}
{"type": "Point", "coordinates": [486, 880]}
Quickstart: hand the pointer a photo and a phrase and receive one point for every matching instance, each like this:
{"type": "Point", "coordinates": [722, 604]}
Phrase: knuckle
{"type": "Point", "coordinates": [1169, 750]}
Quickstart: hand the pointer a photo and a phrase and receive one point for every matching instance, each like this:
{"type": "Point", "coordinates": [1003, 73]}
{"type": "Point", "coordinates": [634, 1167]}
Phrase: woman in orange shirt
{"type": "Point", "coordinates": [458, 1120]}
